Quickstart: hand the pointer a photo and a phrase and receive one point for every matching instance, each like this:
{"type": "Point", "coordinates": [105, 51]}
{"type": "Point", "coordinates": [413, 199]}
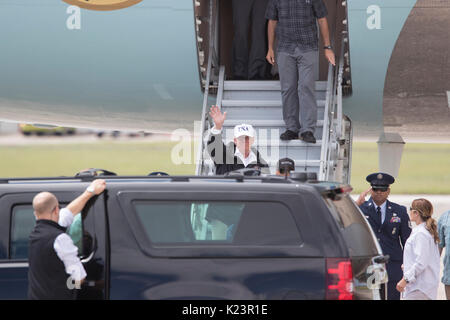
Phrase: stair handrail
{"type": "Point", "coordinates": [211, 54]}
{"type": "Point", "coordinates": [220, 87]}
{"type": "Point", "coordinates": [324, 153]}
{"type": "Point", "coordinates": [335, 114]}
{"type": "Point", "coordinates": [340, 80]}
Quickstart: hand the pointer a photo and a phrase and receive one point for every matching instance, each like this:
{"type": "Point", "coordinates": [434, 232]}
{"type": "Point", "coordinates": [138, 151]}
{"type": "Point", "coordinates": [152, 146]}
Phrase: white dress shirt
{"type": "Point", "coordinates": [383, 210]}
{"type": "Point", "coordinates": [215, 131]}
{"type": "Point", "coordinates": [66, 250]}
{"type": "Point", "coordinates": [246, 161]}
{"type": "Point", "coordinates": [421, 262]}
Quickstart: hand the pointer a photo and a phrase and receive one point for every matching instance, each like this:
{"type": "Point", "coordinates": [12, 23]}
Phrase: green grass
{"type": "Point", "coordinates": [130, 158]}
{"type": "Point", "coordinates": [425, 168]}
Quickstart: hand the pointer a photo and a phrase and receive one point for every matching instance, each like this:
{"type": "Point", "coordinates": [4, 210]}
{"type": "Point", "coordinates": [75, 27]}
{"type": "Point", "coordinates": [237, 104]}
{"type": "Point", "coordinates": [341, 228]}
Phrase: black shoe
{"type": "Point", "coordinates": [289, 135]}
{"type": "Point", "coordinates": [308, 137]}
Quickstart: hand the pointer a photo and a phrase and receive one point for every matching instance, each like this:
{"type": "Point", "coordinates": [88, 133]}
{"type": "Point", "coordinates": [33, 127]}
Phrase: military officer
{"type": "Point", "coordinates": [390, 223]}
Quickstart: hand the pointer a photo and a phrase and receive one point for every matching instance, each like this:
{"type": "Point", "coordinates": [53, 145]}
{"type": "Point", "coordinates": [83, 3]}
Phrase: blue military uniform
{"type": "Point", "coordinates": [392, 233]}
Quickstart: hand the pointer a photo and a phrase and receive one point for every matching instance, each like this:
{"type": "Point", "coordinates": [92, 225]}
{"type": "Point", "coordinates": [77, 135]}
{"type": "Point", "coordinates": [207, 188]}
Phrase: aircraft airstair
{"type": "Point", "coordinates": [259, 103]}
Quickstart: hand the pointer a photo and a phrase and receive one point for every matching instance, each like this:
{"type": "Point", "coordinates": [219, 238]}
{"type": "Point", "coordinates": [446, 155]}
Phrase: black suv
{"type": "Point", "coordinates": [194, 237]}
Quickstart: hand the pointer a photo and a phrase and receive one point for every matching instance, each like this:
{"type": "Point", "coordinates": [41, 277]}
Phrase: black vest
{"type": "Point", "coordinates": [47, 277]}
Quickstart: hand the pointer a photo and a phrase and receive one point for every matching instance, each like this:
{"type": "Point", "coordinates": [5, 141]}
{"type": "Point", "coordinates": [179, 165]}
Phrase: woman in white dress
{"type": "Point", "coordinates": [421, 258]}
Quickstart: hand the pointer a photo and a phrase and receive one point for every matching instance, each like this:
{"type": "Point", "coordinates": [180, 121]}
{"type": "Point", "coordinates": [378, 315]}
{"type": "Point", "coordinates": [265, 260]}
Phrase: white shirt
{"type": "Point", "coordinates": [421, 262]}
{"type": "Point", "coordinates": [215, 131]}
{"type": "Point", "coordinates": [66, 250]}
{"type": "Point", "coordinates": [383, 210]}
{"type": "Point", "coordinates": [246, 161]}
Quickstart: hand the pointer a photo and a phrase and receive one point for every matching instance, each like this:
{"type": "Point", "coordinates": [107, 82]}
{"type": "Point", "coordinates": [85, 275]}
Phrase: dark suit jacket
{"type": "Point", "coordinates": [225, 160]}
{"type": "Point", "coordinates": [394, 231]}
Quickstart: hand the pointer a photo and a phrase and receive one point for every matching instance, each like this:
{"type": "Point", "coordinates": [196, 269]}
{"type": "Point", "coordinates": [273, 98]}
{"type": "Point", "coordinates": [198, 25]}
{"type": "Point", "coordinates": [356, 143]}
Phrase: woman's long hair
{"type": "Point", "coordinates": [425, 210]}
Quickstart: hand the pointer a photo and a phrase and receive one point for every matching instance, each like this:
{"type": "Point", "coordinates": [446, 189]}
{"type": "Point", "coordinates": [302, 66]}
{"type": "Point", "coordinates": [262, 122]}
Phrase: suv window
{"type": "Point", "coordinates": [22, 223]}
{"type": "Point", "coordinates": [209, 223]}
{"type": "Point", "coordinates": [355, 229]}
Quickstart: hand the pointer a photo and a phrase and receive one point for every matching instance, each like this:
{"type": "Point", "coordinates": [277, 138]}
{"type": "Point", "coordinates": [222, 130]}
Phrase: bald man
{"type": "Point", "coordinates": [54, 267]}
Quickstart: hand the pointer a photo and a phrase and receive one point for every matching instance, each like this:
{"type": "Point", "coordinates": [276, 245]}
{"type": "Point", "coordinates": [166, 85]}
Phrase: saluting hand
{"type": "Point", "coordinates": [362, 197]}
{"type": "Point", "coordinates": [217, 116]}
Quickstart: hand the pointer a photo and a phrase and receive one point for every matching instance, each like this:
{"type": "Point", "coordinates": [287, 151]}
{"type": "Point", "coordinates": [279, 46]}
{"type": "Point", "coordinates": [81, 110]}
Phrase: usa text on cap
{"type": "Point", "coordinates": [244, 130]}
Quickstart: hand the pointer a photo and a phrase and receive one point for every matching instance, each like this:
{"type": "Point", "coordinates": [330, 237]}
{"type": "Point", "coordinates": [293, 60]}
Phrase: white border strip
{"type": "Point", "coordinates": [14, 265]}
{"type": "Point", "coordinates": [448, 98]}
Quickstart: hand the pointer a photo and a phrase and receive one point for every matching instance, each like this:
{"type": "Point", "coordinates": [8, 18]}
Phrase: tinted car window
{"type": "Point", "coordinates": [206, 223]}
{"type": "Point", "coordinates": [355, 229]}
{"type": "Point", "coordinates": [23, 222]}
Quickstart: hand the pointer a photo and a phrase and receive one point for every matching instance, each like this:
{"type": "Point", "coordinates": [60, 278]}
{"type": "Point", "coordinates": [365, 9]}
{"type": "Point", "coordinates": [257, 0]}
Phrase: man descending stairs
{"type": "Point", "coordinates": [258, 103]}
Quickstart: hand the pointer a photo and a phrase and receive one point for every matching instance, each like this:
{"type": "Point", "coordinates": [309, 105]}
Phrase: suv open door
{"type": "Point", "coordinates": [17, 220]}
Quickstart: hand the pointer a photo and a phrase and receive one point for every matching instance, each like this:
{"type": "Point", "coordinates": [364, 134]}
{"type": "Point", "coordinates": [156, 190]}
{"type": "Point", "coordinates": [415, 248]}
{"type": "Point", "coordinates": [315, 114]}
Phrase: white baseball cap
{"type": "Point", "coordinates": [244, 130]}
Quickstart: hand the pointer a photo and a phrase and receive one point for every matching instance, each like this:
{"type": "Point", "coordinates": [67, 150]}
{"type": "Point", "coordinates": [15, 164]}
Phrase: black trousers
{"type": "Point", "coordinates": [395, 274]}
{"type": "Point", "coordinates": [249, 64]}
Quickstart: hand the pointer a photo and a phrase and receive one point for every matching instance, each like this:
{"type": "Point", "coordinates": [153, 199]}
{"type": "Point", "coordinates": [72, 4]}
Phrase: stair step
{"type": "Point", "coordinates": [273, 162]}
{"type": "Point", "coordinates": [301, 163]}
{"type": "Point", "coordinates": [260, 103]}
{"type": "Point", "coordinates": [261, 95]}
{"type": "Point", "coordinates": [262, 123]}
{"type": "Point", "coordinates": [263, 85]}
{"type": "Point", "coordinates": [260, 143]}
{"type": "Point", "coordinates": [272, 136]}
{"type": "Point", "coordinates": [249, 114]}
{"type": "Point", "coordinates": [268, 128]}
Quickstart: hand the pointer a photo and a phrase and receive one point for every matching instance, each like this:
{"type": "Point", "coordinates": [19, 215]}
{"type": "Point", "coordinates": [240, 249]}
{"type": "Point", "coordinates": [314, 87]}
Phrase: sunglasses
{"type": "Point", "coordinates": [384, 189]}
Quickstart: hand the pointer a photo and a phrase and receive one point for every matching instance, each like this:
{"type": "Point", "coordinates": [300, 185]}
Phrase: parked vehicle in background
{"type": "Point", "coordinates": [39, 130]}
{"type": "Point", "coordinates": [116, 133]}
